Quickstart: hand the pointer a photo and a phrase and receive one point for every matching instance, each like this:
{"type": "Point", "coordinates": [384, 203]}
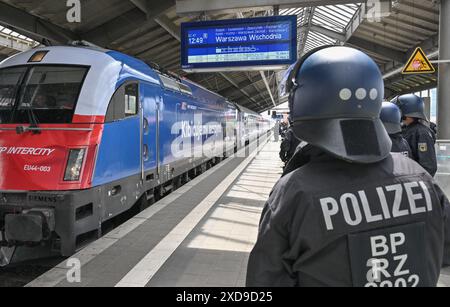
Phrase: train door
{"type": "Point", "coordinates": [150, 100]}
{"type": "Point", "coordinates": [119, 151]}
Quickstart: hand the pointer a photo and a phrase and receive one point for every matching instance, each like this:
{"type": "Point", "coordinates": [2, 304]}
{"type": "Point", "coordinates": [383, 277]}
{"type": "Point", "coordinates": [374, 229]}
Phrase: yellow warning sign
{"type": "Point", "coordinates": [419, 64]}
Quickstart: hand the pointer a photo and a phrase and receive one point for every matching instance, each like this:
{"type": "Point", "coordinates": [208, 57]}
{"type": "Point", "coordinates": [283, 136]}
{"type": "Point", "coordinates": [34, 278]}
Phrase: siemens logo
{"type": "Point", "coordinates": [44, 198]}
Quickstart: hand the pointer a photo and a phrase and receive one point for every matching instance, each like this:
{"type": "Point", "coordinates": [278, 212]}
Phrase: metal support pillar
{"type": "Point", "coordinates": [444, 72]}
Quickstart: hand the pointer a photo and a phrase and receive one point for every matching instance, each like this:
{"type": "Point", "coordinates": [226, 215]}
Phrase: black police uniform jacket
{"type": "Point", "coordinates": [421, 140]}
{"type": "Point", "coordinates": [333, 223]}
{"type": "Point", "coordinates": [400, 145]}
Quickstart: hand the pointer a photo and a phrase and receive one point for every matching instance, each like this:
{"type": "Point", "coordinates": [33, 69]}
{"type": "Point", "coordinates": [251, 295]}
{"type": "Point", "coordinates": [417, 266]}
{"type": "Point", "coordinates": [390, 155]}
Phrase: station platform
{"type": "Point", "coordinates": [198, 236]}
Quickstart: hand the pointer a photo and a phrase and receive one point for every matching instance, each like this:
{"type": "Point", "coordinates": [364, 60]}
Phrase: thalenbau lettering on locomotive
{"type": "Point", "coordinates": [197, 140]}
{"type": "Point", "coordinates": [198, 130]}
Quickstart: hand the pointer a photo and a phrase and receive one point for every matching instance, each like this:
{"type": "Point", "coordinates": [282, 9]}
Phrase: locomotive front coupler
{"type": "Point", "coordinates": [3, 241]}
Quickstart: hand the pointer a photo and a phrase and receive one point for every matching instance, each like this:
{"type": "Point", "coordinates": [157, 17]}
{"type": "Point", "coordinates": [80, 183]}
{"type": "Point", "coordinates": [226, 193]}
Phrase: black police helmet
{"type": "Point", "coordinates": [391, 116]}
{"type": "Point", "coordinates": [412, 106]}
{"type": "Point", "coordinates": [335, 101]}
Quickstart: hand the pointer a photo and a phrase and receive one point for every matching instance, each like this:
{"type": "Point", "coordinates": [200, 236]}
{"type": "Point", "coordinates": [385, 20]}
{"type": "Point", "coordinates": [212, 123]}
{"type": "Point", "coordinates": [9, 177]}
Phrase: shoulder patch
{"type": "Point", "coordinates": [423, 147]}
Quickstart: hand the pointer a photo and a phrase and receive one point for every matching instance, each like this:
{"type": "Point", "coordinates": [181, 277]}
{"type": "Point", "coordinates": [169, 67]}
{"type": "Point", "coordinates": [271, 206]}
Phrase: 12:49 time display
{"type": "Point", "coordinates": [196, 40]}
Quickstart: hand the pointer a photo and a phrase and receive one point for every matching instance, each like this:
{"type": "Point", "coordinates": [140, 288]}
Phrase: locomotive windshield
{"type": "Point", "coordinates": [39, 94]}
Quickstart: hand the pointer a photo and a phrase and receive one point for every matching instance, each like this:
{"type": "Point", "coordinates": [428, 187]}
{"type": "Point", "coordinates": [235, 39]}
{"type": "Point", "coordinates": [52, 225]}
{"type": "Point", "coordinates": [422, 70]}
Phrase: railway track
{"type": "Point", "coordinates": [19, 275]}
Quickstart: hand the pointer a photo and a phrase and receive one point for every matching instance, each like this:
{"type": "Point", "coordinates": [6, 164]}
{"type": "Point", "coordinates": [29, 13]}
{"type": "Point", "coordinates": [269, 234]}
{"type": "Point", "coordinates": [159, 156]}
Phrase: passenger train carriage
{"type": "Point", "coordinates": [86, 134]}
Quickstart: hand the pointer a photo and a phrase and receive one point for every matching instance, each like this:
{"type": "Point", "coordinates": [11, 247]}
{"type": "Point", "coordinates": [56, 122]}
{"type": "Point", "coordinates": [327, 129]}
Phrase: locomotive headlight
{"type": "Point", "coordinates": [74, 164]}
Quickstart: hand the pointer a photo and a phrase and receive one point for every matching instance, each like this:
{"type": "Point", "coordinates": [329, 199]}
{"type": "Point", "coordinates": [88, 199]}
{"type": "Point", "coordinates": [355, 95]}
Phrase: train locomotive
{"type": "Point", "coordinates": [86, 134]}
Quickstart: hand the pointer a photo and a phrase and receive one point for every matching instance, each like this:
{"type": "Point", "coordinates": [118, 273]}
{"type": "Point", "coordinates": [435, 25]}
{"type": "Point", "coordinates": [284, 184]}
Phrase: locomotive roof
{"type": "Point", "coordinates": [108, 70]}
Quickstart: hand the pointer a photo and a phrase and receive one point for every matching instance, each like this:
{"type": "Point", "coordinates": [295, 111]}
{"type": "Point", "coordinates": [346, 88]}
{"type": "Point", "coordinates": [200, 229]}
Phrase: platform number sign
{"type": "Point", "coordinates": [393, 257]}
{"type": "Point", "coordinates": [419, 64]}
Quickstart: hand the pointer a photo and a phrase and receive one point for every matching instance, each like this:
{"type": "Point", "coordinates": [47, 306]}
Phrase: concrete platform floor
{"type": "Point", "coordinates": [216, 252]}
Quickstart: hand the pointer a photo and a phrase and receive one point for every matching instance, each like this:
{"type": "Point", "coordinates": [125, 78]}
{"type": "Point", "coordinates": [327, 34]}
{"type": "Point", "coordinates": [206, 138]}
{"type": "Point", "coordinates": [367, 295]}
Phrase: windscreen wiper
{"type": "Point", "coordinates": [34, 128]}
{"type": "Point", "coordinates": [34, 124]}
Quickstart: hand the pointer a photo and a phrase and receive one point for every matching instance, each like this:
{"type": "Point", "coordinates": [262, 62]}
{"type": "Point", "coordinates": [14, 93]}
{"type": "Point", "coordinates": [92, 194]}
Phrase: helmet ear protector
{"type": "Point", "coordinates": [292, 85]}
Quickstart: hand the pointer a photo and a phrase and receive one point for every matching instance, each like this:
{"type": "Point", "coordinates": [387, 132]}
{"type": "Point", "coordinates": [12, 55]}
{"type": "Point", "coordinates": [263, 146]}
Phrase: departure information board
{"type": "Point", "coordinates": [239, 44]}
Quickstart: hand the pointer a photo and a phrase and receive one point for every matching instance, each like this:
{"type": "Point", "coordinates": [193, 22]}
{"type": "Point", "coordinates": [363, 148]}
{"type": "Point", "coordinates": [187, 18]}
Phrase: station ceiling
{"type": "Point", "coordinates": [150, 30]}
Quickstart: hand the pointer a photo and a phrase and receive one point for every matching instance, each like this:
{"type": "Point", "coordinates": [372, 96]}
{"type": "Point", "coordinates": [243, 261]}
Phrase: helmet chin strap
{"type": "Point", "coordinates": [303, 144]}
{"type": "Point", "coordinates": [291, 97]}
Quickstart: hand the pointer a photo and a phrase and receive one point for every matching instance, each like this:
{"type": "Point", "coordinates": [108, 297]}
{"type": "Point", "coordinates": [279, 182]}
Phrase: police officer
{"type": "Point", "coordinates": [350, 213]}
{"type": "Point", "coordinates": [391, 117]}
{"type": "Point", "coordinates": [276, 131]}
{"type": "Point", "coordinates": [288, 146]}
{"type": "Point", "coordinates": [283, 128]}
{"type": "Point", "coordinates": [417, 132]}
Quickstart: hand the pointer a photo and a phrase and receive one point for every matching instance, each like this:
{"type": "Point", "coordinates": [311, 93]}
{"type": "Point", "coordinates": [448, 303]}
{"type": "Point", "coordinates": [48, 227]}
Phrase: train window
{"type": "Point", "coordinates": [170, 83]}
{"type": "Point", "coordinates": [131, 99]}
{"type": "Point", "coordinates": [116, 110]}
{"type": "Point", "coordinates": [43, 94]}
{"type": "Point", "coordinates": [124, 103]}
{"type": "Point", "coordinates": [10, 79]}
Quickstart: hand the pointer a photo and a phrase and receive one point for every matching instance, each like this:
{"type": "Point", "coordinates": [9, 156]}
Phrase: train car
{"type": "Point", "coordinates": [231, 130]}
{"type": "Point", "coordinates": [251, 125]}
{"type": "Point", "coordinates": [86, 134]}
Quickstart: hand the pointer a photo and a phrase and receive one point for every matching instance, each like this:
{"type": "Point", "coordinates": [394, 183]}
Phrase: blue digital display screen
{"type": "Point", "coordinates": [267, 41]}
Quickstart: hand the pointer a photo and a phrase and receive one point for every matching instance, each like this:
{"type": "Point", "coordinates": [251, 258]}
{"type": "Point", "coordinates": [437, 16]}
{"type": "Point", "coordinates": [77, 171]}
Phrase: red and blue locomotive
{"type": "Point", "coordinates": [87, 133]}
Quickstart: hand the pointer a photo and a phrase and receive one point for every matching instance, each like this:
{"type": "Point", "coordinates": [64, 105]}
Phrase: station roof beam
{"type": "Point", "coordinates": [134, 20]}
{"type": "Point", "coordinates": [32, 26]}
{"type": "Point", "coordinates": [15, 42]}
{"type": "Point", "coordinates": [193, 7]}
